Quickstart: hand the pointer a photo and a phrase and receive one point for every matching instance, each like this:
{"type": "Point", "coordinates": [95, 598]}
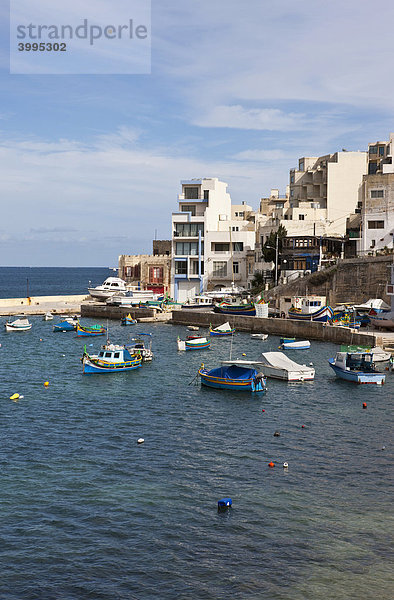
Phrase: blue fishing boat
{"type": "Point", "coordinates": [111, 359]}
{"type": "Point", "coordinates": [90, 330]}
{"type": "Point", "coordinates": [357, 367]}
{"type": "Point", "coordinates": [128, 320]}
{"type": "Point", "coordinates": [310, 308]}
{"type": "Point", "coordinates": [293, 345]}
{"type": "Point", "coordinates": [233, 377]}
{"type": "Point", "coordinates": [68, 324]}
{"type": "Point", "coordinates": [286, 340]}
{"type": "Point", "coordinates": [222, 330]}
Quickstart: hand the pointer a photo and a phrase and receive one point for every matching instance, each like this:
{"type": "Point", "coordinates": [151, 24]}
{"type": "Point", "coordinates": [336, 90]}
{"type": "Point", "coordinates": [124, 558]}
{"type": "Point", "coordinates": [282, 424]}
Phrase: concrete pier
{"type": "Point", "coordinates": [39, 305]}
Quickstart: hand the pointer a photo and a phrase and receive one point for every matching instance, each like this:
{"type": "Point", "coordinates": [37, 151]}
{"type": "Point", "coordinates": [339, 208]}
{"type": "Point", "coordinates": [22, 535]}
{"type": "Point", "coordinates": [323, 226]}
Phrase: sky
{"type": "Point", "coordinates": [91, 164]}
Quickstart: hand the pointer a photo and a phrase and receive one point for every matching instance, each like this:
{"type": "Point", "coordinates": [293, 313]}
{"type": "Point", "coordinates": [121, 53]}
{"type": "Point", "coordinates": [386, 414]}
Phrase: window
{"type": "Point", "coordinates": [180, 267]}
{"type": "Point", "coordinates": [220, 247]}
{"type": "Point", "coordinates": [155, 274]}
{"type": "Point", "coordinates": [299, 265]}
{"type": "Point", "coordinates": [235, 267]}
{"type": "Point", "coordinates": [219, 269]}
{"type": "Point", "coordinates": [195, 267]}
{"type": "Point", "coordinates": [108, 355]}
{"type": "Point", "coordinates": [189, 208]}
{"type": "Point", "coordinates": [375, 224]}
{"type": "Point", "coordinates": [373, 149]}
{"type": "Point", "coordinates": [377, 193]}
{"type": "Point", "coordinates": [372, 167]}
{"type": "Point", "coordinates": [238, 246]}
{"type": "Point", "coordinates": [235, 228]}
{"type": "Point", "coordinates": [188, 229]}
{"type": "Point", "coordinates": [381, 150]}
{"type": "Point", "coordinates": [188, 248]}
{"type": "Point", "coordinates": [301, 217]}
{"type": "Point", "coordinates": [250, 268]}
{"type": "Point", "coordinates": [206, 194]}
{"type": "Point", "coordinates": [240, 214]}
{"type": "Point", "coordinates": [291, 194]}
{"type": "Point", "coordinates": [292, 178]}
{"type": "Point", "coordinates": [191, 193]}
{"type": "Point", "coordinates": [117, 354]}
{"type": "Point", "coordinates": [373, 243]}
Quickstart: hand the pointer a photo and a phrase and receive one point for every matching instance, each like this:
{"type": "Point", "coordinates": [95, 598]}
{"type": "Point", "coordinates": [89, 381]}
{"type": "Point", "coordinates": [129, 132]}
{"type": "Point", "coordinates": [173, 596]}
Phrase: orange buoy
{"type": "Point", "coordinates": [271, 464]}
{"type": "Point", "coordinates": [46, 383]}
{"type": "Point", "coordinates": [364, 405]}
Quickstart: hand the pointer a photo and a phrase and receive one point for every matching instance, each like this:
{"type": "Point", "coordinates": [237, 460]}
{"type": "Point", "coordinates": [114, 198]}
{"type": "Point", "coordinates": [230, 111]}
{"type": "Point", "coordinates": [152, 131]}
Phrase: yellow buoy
{"type": "Point", "coordinates": [14, 397]}
{"type": "Point", "coordinates": [243, 354]}
{"type": "Point", "coordinates": [46, 383]}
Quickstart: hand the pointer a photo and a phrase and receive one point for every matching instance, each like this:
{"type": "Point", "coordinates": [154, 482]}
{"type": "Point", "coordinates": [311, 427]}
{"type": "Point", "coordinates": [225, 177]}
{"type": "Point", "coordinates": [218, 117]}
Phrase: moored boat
{"type": "Point", "coordinates": [293, 345]}
{"type": "Point", "coordinates": [235, 307]}
{"type": "Point", "coordinates": [90, 330]}
{"type": "Point", "coordinates": [233, 377]}
{"type": "Point", "coordinates": [310, 308]}
{"type": "Point", "coordinates": [48, 316]}
{"type": "Point", "coordinates": [67, 324]}
{"type": "Point", "coordinates": [200, 343]}
{"type": "Point", "coordinates": [112, 358]}
{"type": "Point", "coordinates": [259, 336]}
{"type": "Point", "coordinates": [142, 346]}
{"type": "Point", "coordinates": [110, 287]}
{"type": "Point", "coordinates": [128, 320]}
{"type": "Point", "coordinates": [278, 366]}
{"type": "Point", "coordinates": [21, 324]}
{"type": "Point", "coordinates": [222, 330]}
{"type": "Point", "coordinates": [357, 367]}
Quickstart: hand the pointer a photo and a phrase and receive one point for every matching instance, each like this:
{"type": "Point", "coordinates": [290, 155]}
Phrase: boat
{"type": "Point", "coordinates": [20, 324]}
{"type": "Point", "coordinates": [235, 306]}
{"type": "Point", "coordinates": [192, 328]}
{"type": "Point", "coordinates": [90, 330]}
{"type": "Point", "coordinates": [233, 377]}
{"type": "Point", "coordinates": [68, 324]}
{"type": "Point", "coordinates": [200, 343]}
{"type": "Point", "coordinates": [286, 340]}
{"type": "Point", "coordinates": [135, 296]}
{"type": "Point", "coordinates": [110, 287]}
{"type": "Point", "coordinates": [378, 354]}
{"type": "Point", "coordinates": [222, 330]}
{"type": "Point", "coordinates": [128, 320]}
{"type": "Point", "coordinates": [300, 345]}
{"type": "Point", "coordinates": [142, 346]}
{"type": "Point", "coordinates": [47, 317]}
{"type": "Point", "coordinates": [111, 359]}
{"type": "Point", "coordinates": [259, 336]}
{"type": "Point", "coordinates": [357, 367]}
{"type": "Point", "coordinates": [310, 308]}
{"type": "Point", "coordinates": [278, 366]}
{"type": "Point", "coordinates": [384, 320]}
{"type": "Point", "coordinates": [202, 301]}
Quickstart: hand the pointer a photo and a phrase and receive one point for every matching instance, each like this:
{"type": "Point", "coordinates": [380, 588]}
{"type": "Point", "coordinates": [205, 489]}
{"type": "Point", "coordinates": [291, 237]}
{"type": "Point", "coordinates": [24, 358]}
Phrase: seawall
{"type": "Point", "coordinates": [37, 305]}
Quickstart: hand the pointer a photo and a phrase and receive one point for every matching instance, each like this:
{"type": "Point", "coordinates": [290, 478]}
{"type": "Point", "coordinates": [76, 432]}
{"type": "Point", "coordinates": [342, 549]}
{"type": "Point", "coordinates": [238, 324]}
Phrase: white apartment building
{"type": "Point", "coordinates": [377, 212]}
{"type": "Point", "coordinates": [211, 239]}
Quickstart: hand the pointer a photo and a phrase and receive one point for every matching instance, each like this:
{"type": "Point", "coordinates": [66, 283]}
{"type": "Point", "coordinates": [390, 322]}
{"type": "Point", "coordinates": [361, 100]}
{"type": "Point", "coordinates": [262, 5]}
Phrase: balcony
{"type": "Point", "coordinates": [198, 198]}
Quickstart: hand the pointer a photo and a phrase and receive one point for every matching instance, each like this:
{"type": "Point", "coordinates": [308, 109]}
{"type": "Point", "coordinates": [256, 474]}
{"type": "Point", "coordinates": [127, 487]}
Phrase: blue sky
{"type": "Point", "coordinates": [91, 164]}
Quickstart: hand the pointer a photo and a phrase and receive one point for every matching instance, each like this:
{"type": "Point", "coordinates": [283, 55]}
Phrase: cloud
{"type": "Point", "coordinates": [261, 155]}
{"type": "Point", "coordinates": [239, 117]}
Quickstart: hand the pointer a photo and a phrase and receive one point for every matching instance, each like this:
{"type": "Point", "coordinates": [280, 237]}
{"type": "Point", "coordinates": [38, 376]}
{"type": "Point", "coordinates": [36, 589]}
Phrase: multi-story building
{"type": "Point", "coordinates": [211, 239]}
{"type": "Point", "coordinates": [377, 207]}
{"type": "Point", "coordinates": [148, 271]}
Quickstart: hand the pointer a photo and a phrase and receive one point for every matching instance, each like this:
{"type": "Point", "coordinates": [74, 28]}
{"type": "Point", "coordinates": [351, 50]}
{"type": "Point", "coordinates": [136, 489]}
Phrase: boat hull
{"type": "Point", "coordinates": [296, 345]}
{"type": "Point", "coordinates": [357, 376]}
{"type": "Point", "coordinates": [9, 327]}
{"type": "Point", "coordinates": [248, 310]}
{"type": "Point", "coordinates": [64, 327]}
{"type": "Point", "coordinates": [203, 346]}
{"type": "Point", "coordinates": [214, 333]}
{"type": "Point", "coordinates": [245, 385]}
{"type": "Point", "coordinates": [90, 332]}
{"type": "Point", "coordinates": [92, 366]}
{"type": "Point", "coordinates": [322, 315]}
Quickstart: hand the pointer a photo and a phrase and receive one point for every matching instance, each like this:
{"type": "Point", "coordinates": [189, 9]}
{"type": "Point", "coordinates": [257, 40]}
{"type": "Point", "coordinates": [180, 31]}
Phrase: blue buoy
{"type": "Point", "coordinates": [224, 503]}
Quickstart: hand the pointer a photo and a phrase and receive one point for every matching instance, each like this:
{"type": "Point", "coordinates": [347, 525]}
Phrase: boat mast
{"type": "Point", "coordinates": [232, 262]}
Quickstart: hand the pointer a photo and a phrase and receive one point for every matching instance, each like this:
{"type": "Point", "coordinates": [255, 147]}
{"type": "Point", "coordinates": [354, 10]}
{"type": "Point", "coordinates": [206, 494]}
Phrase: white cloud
{"type": "Point", "coordinates": [261, 155]}
{"type": "Point", "coordinates": [239, 117]}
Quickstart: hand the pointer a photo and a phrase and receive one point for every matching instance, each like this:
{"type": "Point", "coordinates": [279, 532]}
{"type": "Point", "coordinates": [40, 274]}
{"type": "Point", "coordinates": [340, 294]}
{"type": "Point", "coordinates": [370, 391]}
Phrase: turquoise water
{"type": "Point", "coordinates": [87, 513]}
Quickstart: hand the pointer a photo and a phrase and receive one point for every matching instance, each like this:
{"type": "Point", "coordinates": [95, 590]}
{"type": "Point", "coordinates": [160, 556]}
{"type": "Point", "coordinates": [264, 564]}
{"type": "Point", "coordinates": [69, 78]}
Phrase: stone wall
{"type": "Point", "coordinates": [353, 280]}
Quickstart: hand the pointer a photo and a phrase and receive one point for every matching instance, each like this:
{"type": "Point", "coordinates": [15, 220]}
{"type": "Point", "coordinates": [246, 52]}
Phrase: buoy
{"type": "Point", "coordinates": [20, 397]}
{"type": "Point", "coordinates": [14, 397]}
{"type": "Point", "coordinates": [263, 410]}
{"type": "Point", "coordinates": [277, 434]}
{"type": "Point", "coordinates": [224, 503]}
{"type": "Point", "coordinates": [271, 465]}
{"type": "Point", "coordinates": [383, 447]}
{"type": "Point", "coordinates": [285, 465]}
{"type": "Point", "coordinates": [364, 405]}
{"type": "Point", "coordinates": [46, 383]}
{"type": "Point", "coordinates": [140, 441]}
{"type": "Point", "coordinates": [40, 339]}
{"type": "Point", "coordinates": [311, 364]}
{"type": "Point", "coordinates": [243, 354]}
{"type": "Point", "coordinates": [302, 426]}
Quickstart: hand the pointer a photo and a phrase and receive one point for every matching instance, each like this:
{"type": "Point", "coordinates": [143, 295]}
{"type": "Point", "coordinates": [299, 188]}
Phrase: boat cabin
{"type": "Point", "coordinates": [355, 361]}
{"type": "Point", "coordinates": [114, 354]}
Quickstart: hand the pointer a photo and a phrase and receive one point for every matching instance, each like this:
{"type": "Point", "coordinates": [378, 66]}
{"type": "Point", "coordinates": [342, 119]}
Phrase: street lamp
{"type": "Point", "coordinates": [276, 258]}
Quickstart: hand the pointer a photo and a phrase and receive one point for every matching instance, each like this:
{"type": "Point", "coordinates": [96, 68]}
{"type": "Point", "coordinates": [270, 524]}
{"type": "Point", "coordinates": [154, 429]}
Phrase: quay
{"type": "Point", "coordinates": [39, 305]}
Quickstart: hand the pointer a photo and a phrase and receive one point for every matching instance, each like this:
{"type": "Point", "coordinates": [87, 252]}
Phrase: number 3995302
{"type": "Point", "coordinates": [42, 47]}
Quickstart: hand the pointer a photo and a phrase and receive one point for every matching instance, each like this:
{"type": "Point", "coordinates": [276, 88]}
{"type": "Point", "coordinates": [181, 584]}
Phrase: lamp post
{"type": "Point", "coordinates": [276, 258]}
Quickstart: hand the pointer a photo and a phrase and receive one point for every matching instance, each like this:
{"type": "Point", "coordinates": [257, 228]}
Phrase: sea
{"type": "Point", "coordinates": [87, 513]}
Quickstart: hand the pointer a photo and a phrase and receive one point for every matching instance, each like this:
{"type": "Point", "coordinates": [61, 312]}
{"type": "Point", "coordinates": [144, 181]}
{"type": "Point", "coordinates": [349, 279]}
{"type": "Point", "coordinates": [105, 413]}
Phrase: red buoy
{"type": "Point", "coordinates": [271, 465]}
{"type": "Point", "coordinates": [364, 405]}
{"type": "Point", "coordinates": [302, 426]}
{"type": "Point", "coordinates": [263, 410]}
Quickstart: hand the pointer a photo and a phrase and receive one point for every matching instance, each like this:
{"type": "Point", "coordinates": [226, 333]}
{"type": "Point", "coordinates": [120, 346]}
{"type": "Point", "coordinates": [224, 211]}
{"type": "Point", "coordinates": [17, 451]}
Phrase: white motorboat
{"type": "Point", "coordinates": [380, 355]}
{"type": "Point", "coordinates": [47, 317]}
{"type": "Point", "coordinates": [21, 324]}
{"type": "Point", "coordinates": [278, 366]}
{"type": "Point", "coordinates": [110, 287]}
{"type": "Point", "coordinates": [259, 336]}
{"type": "Point", "coordinates": [300, 345]}
{"type": "Point", "coordinates": [134, 296]}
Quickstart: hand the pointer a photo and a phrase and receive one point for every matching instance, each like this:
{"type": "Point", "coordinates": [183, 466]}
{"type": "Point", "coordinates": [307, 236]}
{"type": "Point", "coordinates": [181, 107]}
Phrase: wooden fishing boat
{"type": "Point", "coordinates": [234, 308]}
{"type": "Point", "coordinates": [233, 377]}
{"type": "Point", "coordinates": [357, 367]}
{"type": "Point", "coordinates": [278, 366]}
{"type": "Point", "coordinates": [111, 359]}
{"type": "Point", "coordinates": [128, 320]}
{"type": "Point", "coordinates": [68, 324]}
{"type": "Point", "coordinates": [222, 330]}
{"type": "Point", "coordinates": [300, 345]}
{"type": "Point", "coordinates": [21, 324]}
{"type": "Point", "coordinates": [90, 330]}
{"type": "Point", "coordinates": [200, 343]}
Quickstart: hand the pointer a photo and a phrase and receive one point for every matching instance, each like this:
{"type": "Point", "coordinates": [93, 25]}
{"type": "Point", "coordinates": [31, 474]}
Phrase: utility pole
{"type": "Point", "coordinates": [276, 259]}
